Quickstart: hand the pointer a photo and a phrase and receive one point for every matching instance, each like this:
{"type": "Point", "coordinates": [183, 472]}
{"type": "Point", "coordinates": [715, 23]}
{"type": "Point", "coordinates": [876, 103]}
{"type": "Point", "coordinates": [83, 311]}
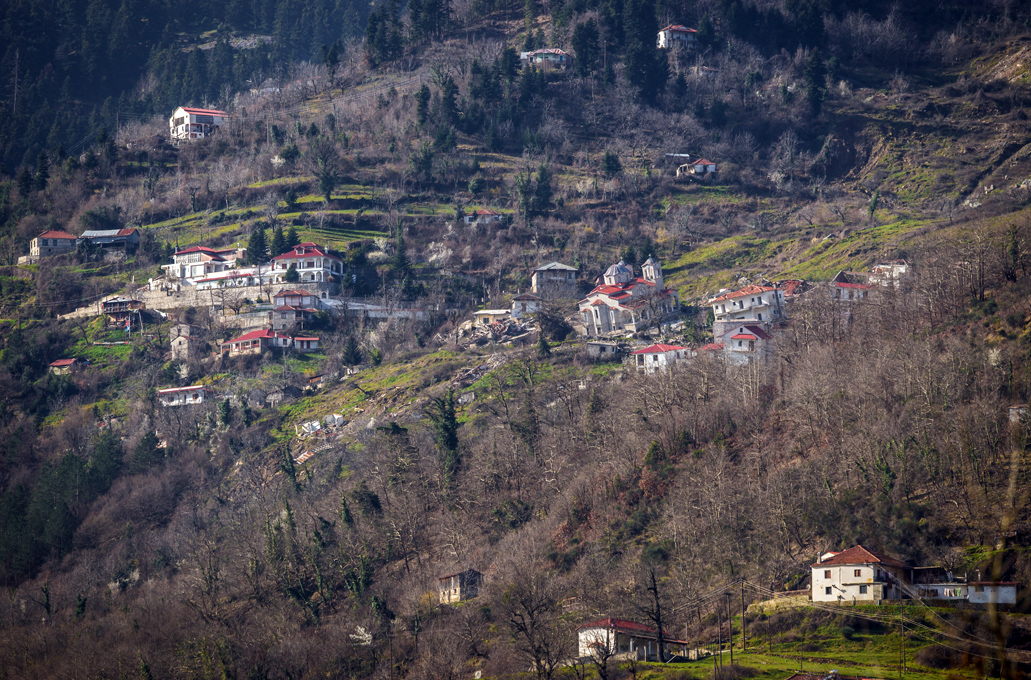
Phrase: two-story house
{"type": "Point", "coordinates": [754, 304]}
{"type": "Point", "coordinates": [658, 357]}
{"type": "Point", "coordinates": [626, 303]}
{"type": "Point", "coordinates": [676, 35]}
{"type": "Point", "coordinates": [190, 123]}
{"type": "Point", "coordinates": [293, 308]}
{"type": "Point", "coordinates": [261, 341]}
{"type": "Point", "coordinates": [313, 264]}
{"type": "Point", "coordinates": [51, 243]}
{"type": "Point", "coordinates": [850, 286]}
{"type": "Point", "coordinates": [199, 262]}
{"type": "Point", "coordinates": [859, 575]}
{"type": "Point", "coordinates": [554, 280]}
{"type": "Point", "coordinates": [462, 585]}
{"type": "Point", "coordinates": [745, 344]}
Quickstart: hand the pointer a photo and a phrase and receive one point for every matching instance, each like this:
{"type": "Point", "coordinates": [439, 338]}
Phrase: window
{"type": "Point", "coordinates": [978, 589]}
{"type": "Point", "coordinates": [827, 573]}
{"type": "Point", "coordinates": [827, 590]}
{"type": "Point", "coordinates": [858, 572]}
{"type": "Point", "coordinates": [862, 590]}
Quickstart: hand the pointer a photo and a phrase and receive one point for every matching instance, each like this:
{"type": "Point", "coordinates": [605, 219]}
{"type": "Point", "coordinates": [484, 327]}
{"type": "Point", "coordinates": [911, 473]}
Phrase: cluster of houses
{"type": "Point", "coordinates": [51, 243]}
{"type": "Point", "coordinates": [204, 268]}
{"type": "Point", "coordinates": [861, 575]}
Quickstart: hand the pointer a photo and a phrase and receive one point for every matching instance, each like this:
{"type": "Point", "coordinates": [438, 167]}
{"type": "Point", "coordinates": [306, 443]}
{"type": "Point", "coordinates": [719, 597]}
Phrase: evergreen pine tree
{"type": "Point", "coordinates": [352, 355]}
{"type": "Point", "coordinates": [585, 48]}
{"type": "Point", "coordinates": [542, 192]}
{"type": "Point", "coordinates": [257, 246]}
{"type": "Point", "coordinates": [145, 454]}
{"type": "Point", "coordinates": [815, 76]}
{"type": "Point", "coordinates": [543, 348]}
{"type": "Point", "coordinates": [399, 262]}
{"type": "Point", "coordinates": [278, 246]}
{"type": "Point", "coordinates": [292, 239]}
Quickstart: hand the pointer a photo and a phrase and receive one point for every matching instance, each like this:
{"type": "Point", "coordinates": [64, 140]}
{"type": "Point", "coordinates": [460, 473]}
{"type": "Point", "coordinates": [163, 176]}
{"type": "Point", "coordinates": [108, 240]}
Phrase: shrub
{"type": "Point", "coordinates": [936, 656]}
{"type": "Point", "coordinates": [847, 632]}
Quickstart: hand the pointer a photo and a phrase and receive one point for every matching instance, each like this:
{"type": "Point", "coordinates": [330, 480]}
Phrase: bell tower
{"type": "Point", "coordinates": [651, 270]}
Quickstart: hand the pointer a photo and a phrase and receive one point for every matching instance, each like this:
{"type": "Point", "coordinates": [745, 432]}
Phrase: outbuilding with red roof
{"type": "Point", "coordinates": [658, 357]}
{"type": "Point", "coordinates": [610, 636]}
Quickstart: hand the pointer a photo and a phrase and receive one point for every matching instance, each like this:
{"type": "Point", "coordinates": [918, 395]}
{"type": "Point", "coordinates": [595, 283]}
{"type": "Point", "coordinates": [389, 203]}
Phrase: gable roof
{"type": "Point", "coordinates": [702, 161]}
{"type": "Point", "coordinates": [527, 298]}
{"type": "Point", "coordinates": [657, 348]}
{"type": "Point", "coordinates": [63, 362]}
{"type": "Point", "coordinates": [678, 28]}
{"type": "Point", "coordinates": [556, 266]}
{"type": "Point", "coordinates": [304, 250]}
{"type": "Point", "coordinates": [631, 627]}
{"type": "Point", "coordinates": [712, 347]}
{"type": "Point", "coordinates": [857, 554]}
{"type": "Point", "coordinates": [294, 292]}
{"type": "Point", "coordinates": [263, 334]}
{"type": "Point", "coordinates": [210, 112]}
{"type": "Point", "coordinates": [58, 234]}
{"type": "Point", "coordinates": [747, 290]}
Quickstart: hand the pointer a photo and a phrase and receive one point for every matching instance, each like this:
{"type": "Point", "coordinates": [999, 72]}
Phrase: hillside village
{"type": "Point", "coordinates": [479, 340]}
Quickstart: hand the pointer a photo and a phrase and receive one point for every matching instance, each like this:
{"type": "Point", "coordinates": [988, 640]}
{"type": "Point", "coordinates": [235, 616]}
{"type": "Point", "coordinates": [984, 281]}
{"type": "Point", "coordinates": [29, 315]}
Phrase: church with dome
{"type": "Point", "coordinates": [624, 303]}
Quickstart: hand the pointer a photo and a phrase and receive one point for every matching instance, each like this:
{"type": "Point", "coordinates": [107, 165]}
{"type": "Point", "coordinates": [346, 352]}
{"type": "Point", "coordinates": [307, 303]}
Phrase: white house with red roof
{"type": "Point", "coordinates": [624, 303]}
{"type": "Point", "coordinates": [260, 341]}
{"type": "Point", "coordinates": [850, 286]}
{"type": "Point", "coordinates": [51, 243]}
{"type": "Point", "coordinates": [754, 304]}
{"type": "Point", "coordinates": [658, 357]}
{"type": "Point", "coordinates": [702, 166]}
{"type": "Point", "coordinates": [612, 636]}
{"type": "Point", "coordinates": [483, 216]}
{"type": "Point", "coordinates": [547, 59]}
{"type": "Point", "coordinates": [676, 35]}
{"type": "Point", "coordinates": [190, 123]}
{"type": "Point", "coordinates": [746, 343]}
{"type": "Point", "coordinates": [199, 262]}
{"type": "Point", "coordinates": [314, 264]}
{"type": "Point", "coordinates": [859, 575]}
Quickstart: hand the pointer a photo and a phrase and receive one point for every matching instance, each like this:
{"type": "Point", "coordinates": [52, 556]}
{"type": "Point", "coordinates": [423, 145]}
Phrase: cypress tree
{"type": "Point", "coordinates": [278, 246]}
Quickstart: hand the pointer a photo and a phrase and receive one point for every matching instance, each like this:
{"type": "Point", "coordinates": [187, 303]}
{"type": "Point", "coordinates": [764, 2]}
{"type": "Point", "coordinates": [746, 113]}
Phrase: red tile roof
{"type": "Point", "coordinates": [311, 339]}
{"type": "Point", "coordinates": [303, 250]}
{"type": "Point", "coordinates": [702, 161]}
{"type": "Point", "coordinates": [212, 112]}
{"type": "Point", "coordinates": [284, 293]}
{"type": "Point", "coordinates": [126, 232]}
{"type": "Point", "coordinates": [58, 234]}
{"type": "Point", "coordinates": [62, 362]}
{"type": "Point", "coordinates": [743, 336]}
{"type": "Point", "coordinates": [264, 334]}
{"type": "Point", "coordinates": [857, 554]}
{"type": "Point", "coordinates": [747, 290]}
{"type": "Point", "coordinates": [658, 347]}
{"type": "Point", "coordinates": [712, 347]}
{"type": "Point", "coordinates": [678, 28]}
{"type": "Point", "coordinates": [632, 627]}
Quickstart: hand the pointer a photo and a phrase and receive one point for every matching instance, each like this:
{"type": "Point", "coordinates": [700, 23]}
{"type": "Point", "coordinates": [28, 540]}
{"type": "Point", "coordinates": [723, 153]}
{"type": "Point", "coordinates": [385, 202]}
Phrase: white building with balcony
{"type": "Point", "coordinates": [190, 123]}
{"type": "Point", "coordinates": [313, 264]}
{"type": "Point", "coordinates": [757, 305]}
{"type": "Point", "coordinates": [676, 35]}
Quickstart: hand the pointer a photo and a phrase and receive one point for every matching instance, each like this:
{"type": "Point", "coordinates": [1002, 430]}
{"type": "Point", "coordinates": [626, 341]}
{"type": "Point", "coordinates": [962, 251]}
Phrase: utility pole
{"type": "Point", "coordinates": [902, 640]}
{"type": "Point", "coordinates": [730, 631]}
{"type": "Point", "coordinates": [719, 631]}
{"type": "Point", "coordinates": [744, 642]}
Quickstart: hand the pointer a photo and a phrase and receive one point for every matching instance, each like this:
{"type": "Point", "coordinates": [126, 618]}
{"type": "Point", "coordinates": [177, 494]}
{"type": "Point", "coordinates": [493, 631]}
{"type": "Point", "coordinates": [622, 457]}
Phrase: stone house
{"type": "Point", "coordinates": [525, 305]}
{"type": "Point", "coordinates": [462, 585]}
{"type": "Point", "coordinates": [554, 281]}
{"type": "Point", "coordinates": [51, 243]}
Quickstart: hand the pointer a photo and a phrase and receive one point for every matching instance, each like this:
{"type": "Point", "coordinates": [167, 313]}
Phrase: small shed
{"type": "Point", "coordinates": [67, 366]}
